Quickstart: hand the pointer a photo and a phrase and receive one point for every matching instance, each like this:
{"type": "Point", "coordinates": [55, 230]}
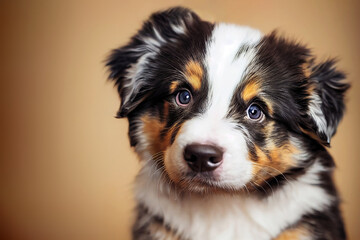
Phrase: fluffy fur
{"type": "Point", "coordinates": [274, 180]}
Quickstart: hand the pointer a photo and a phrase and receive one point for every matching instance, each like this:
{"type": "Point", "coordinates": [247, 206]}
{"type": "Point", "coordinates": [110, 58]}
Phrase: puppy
{"type": "Point", "coordinates": [231, 128]}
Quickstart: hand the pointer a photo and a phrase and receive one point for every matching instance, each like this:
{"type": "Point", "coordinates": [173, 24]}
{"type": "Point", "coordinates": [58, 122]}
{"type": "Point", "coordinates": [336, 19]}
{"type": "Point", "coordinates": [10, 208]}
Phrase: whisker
{"type": "Point", "coordinates": [260, 187]}
{"type": "Point", "coordinates": [277, 170]}
{"type": "Point", "coordinates": [244, 185]}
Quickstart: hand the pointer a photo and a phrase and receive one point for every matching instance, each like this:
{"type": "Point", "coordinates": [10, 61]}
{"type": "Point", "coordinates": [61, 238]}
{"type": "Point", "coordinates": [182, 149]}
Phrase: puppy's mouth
{"type": "Point", "coordinates": [197, 182]}
{"type": "Point", "coordinates": [202, 178]}
{"type": "Point", "coordinates": [206, 183]}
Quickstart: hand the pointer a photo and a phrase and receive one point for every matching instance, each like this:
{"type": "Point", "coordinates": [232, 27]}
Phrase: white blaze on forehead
{"type": "Point", "coordinates": [225, 71]}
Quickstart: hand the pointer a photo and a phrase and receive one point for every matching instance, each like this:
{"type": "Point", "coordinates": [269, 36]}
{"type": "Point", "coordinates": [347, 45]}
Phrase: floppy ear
{"type": "Point", "coordinates": [326, 105]}
{"type": "Point", "coordinates": [130, 65]}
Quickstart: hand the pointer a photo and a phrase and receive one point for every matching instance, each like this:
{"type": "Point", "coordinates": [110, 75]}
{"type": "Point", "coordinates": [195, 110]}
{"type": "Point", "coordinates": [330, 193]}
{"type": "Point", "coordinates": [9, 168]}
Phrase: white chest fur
{"type": "Point", "coordinates": [233, 217]}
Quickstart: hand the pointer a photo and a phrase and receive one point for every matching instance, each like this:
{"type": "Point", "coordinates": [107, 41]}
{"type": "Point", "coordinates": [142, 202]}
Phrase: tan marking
{"type": "Point", "coordinates": [294, 234]}
{"type": "Point", "coordinates": [269, 128]}
{"type": "Point", "coordinates": [314, 136]}
{"type": "Point", "coordinates": [166, 110]}
{"type": "Point", "coordinates": [173, 86]}
{"type": "Point", "coordinates": [306, 68]}
{"type": "Point", "coordinates": [194, 74]}
{"type": "Point", "coordinates": [261, 161]}
{"type": "Point", "coordinates": [311, 90]}
{"type": "Point", "coordinates": [272, 160]}
{"type": "Point", "coordinates": [152, 129]}
{"type": "Point", "coordinates": [251, 90]}
{"type": "Point", "coordinates": [269, 105]}
{"type": "Point", "coordinates": [283, 156]}
{"type": "Point", "coordinates": [159, 232]}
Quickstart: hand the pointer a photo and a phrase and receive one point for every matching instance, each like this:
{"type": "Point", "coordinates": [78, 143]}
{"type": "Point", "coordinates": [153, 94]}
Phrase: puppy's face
{"type": "Point", "coordinates": [220, 107]}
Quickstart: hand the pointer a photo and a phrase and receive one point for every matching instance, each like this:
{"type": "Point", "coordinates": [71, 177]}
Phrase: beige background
{"type": "Point", "coordinates": [66, 169]}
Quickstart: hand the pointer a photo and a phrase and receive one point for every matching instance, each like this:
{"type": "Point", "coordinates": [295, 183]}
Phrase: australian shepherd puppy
{"type": "Point", "coordinates": [231, 128]}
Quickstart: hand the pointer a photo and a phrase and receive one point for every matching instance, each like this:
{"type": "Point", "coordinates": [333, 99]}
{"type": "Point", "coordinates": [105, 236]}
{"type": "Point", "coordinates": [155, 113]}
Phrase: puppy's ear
{"type": "Point", "coordinates": [326, 105]}
{"type": "Point", "coordinates": [131, 65]}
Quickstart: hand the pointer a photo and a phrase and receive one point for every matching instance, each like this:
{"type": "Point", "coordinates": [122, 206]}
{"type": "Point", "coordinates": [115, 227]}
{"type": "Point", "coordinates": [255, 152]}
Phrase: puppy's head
{"type": "Point", "coordinates": [221, 107]}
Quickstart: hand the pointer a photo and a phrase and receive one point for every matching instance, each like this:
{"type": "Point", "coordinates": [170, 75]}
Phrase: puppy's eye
{"type": "Point", "coordinates": [254, 112]}
{"type": "Point", "coordinates": [183, 98]}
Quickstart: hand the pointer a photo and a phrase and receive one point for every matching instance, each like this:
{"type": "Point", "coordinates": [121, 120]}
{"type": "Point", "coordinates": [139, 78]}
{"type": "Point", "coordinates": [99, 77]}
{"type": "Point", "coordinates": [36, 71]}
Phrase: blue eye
{"type": "Point", "coordinates": [254, 112]}
{"type": "Point", "coordinates": [183, 97]}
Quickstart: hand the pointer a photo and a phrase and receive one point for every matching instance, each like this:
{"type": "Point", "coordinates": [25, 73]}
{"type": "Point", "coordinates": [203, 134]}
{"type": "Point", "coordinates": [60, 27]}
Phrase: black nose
{"type": "Point", "coordinates": [203, 158]}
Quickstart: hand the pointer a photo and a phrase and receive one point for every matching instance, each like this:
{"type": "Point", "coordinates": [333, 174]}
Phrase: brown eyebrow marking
{"type": "Point", "coordinates": [250, 90]}
{"type": "Point", "coordinates": [194, 74]}
{"type": "Point", "coordinates": [173, 86]}
{"type": "Point", "coordinates": [253, 89]}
